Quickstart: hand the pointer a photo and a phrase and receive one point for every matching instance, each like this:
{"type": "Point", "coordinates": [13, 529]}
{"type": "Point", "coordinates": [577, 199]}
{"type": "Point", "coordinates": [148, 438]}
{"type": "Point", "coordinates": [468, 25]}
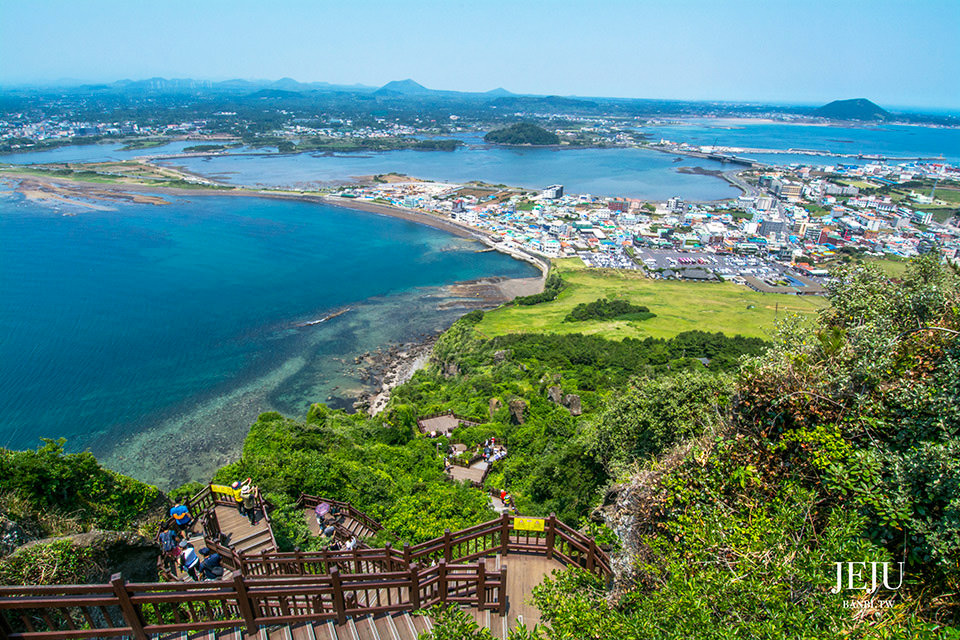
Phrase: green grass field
{"type": "Point", "coordinates": [680, 306]}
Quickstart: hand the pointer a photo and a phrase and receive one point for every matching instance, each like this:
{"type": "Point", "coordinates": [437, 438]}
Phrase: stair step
{"type": "Point", "coordinates": [421, 624]}
{"type": "Point", "coordinates": [383, 627]}
{"type": "Point", "coordinates": [256, 534]}
{"type": "Point", "coordinates": [303, 632]}
{"type": "Point", "coordinates": [391, 621]}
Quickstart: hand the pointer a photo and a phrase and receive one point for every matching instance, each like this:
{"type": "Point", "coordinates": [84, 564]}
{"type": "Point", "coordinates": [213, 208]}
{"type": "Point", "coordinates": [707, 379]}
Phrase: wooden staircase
{"type": "Point", "coordinates": [240, 535]}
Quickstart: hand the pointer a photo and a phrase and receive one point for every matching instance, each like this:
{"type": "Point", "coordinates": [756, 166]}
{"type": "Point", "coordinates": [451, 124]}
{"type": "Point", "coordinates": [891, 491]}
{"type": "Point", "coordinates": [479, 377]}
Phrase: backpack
{"type": "Point", "coordinates": [168, 542]}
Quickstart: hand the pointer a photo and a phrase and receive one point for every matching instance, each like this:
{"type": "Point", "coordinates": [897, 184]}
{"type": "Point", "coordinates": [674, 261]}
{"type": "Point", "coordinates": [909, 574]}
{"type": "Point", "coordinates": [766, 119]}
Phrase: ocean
{"type": "Point", "coordinates": [154, 335]}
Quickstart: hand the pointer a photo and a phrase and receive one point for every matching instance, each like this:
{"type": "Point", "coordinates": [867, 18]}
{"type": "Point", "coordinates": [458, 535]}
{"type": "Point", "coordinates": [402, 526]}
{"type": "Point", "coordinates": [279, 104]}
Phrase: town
{"type": "Point", "coordinates": [779, 236]}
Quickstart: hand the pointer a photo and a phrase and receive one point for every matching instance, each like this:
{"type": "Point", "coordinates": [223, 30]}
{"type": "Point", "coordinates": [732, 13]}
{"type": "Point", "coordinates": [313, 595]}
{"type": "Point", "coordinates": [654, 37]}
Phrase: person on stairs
{"type": "Point", "coordinates": [182, 518]}
{"type": "Point", "coordinates": [238, 496]}
{"type": "Point", "coordinates": [210, 567]}
{"type": "Point", "coordinates": [189, 560]}
{"type": "Point", "coordinates": [249, 494]}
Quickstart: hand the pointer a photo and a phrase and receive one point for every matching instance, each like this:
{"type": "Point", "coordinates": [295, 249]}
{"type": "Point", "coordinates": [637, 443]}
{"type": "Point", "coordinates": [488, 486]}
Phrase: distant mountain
{"type": "Point", "coordinates": [556, 103]}
{"type": "Point", "coordinates": [406, 87]}
{"type": "Point", "coordinates": [856, 109]}
{"type": "Point", "coordinates": [499, 92]}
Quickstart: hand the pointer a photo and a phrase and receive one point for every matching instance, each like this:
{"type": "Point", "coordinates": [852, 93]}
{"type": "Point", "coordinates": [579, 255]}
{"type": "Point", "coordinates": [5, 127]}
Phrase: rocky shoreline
{"type": "Point", "coordinates": [387, 367]}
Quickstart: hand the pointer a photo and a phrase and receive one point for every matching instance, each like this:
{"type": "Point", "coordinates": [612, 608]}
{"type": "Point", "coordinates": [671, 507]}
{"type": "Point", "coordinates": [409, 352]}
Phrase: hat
{"type": "Point", "coordinates": [205, 551]}
{"type": "Point", "coordinates": [184, 544]}
{"type": "Point", "coordinates": [236, 484]}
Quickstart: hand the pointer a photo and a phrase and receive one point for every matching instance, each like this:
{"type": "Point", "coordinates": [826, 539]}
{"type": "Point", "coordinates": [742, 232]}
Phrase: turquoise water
{"type": "Point", "coordinates": [886, 140]}
{"type": "Point", "coordinates": [149, 332]}
{"type": "Point", "coordinates": [639, 173]}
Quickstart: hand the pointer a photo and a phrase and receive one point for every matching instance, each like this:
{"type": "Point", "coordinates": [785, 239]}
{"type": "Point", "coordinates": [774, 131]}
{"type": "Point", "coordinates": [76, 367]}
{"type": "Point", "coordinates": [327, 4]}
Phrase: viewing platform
{"type": "Point", "coordinates": [489, 570]}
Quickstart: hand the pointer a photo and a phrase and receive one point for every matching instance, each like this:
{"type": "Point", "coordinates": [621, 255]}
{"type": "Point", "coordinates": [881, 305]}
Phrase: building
{"type": "Point", "coordinates": [553, 192]}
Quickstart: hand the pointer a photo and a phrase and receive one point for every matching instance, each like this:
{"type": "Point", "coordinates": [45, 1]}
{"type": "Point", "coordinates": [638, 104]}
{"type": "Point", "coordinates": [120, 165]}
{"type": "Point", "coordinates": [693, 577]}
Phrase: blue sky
{"type": "Point", "coordinates": [897, 53]}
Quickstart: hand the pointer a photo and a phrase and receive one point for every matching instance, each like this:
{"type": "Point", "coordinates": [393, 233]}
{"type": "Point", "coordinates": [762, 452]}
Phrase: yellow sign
{"type": "Point", "coordinates": [220, 488]}
{"type": "Point", "coordinates": [528, 524]}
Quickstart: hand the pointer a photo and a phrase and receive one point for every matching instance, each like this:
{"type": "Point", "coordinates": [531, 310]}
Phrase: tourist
{"type": "Point", "coordinates": [330, 531]}
{"type": "Point", "coordinates": [169, 540]}
{"type": "Point", "coordinates": [351, 543]}
{"type": "Point", "coordinates": [248, 493]}
{"type": "Point", "coordinates": [181, 517]}
{"type": "Point", "coordinates": [237, 496]}
{"type": "Point", "coordinates": [210, 566]}
{"type": "Point", "coordinates": [323, 513]}
{"type": "Point", "coordinates": [189, 560]}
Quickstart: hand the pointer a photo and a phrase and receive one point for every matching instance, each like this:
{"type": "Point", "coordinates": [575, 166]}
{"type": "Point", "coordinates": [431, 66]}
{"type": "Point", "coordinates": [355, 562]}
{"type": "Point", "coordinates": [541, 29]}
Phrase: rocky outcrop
{"type": "Point", "coordinates": [572, 402]}
{"type": "Point", "coordinates": [450, 369]}
{"type": "Point", "coordinates": [518, 409]}
{"type": "Point", "coordinates": [125, 552]}
{"type": "Point", "coordinates": [555, 394]}
{"type": "Point", "coordinates": [12, 535]}
{"type": "Point", "coordinates": [500, 356]}
{"type": "Point", "coordinates": [495, 405]}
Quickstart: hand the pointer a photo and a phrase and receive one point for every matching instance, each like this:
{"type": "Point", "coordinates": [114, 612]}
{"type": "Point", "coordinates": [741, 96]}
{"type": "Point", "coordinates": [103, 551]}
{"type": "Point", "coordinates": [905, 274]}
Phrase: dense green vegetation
{"type": "Point", "coordinates": [57, 492]}
{"type": "Point", "coordinates": [383, 466]}
{"type": "Point", "coordinates": [522, 133]}
{"type": "Point", "coordinates": [205, 148]}
{"type": "Point", "coordinates": [838, 444]}
{"type": "Point", "coordinates": [604, 309]}
{"type": "Point", "coordinates": [551, 289]}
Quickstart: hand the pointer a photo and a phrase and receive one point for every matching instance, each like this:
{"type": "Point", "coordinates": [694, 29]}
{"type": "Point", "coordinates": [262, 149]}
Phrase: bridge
{"type": "Point", "coordinates": [489, 570]}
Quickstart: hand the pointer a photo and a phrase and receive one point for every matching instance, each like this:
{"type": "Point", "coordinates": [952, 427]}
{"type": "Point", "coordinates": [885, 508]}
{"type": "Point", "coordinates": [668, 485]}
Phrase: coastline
{"type": "Point", "coordinates": [209, 431]}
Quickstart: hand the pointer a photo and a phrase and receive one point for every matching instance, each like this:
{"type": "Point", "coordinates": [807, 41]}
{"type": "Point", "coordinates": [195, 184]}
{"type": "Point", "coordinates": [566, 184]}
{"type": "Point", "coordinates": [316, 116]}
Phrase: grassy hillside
{"type": "Point", "coordinates": [680, 306]}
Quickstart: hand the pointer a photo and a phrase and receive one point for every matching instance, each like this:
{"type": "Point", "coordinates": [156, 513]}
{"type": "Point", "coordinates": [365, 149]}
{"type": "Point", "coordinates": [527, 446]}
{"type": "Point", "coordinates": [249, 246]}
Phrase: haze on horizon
{"type": "Point", "coordinates": [897, 54]}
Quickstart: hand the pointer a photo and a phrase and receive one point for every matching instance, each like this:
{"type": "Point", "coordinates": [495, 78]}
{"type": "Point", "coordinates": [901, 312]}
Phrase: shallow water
{"type": "Point", "coordinates": [183, 322]}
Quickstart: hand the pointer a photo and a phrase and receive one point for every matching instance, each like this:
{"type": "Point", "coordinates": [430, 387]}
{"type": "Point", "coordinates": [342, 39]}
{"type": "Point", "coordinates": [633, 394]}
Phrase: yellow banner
{"type": "Point", "coordinates": [528, 524]}
{"type": "Point", "coordinates": [221, 488]}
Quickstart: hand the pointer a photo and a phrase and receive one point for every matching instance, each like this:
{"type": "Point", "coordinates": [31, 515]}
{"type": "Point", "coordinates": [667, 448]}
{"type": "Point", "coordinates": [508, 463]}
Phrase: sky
{"type": "Point", "coordinates": [896, 53]}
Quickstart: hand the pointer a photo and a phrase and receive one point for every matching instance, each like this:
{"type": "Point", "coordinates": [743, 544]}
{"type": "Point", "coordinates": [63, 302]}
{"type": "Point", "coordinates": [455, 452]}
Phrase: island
{"type": "Point", "coordinates": [522, 133]}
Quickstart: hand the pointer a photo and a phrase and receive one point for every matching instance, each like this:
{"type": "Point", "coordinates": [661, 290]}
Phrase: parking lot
{"type": "Point", "coordinates": [615, 260]}
{"type": "Point", "coordinates": [722, 264]}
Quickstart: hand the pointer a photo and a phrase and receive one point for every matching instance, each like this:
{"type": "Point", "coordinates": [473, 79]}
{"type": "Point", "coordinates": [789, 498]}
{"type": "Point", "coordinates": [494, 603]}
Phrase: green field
{"type": "Point", "coordinates": [680, 306]}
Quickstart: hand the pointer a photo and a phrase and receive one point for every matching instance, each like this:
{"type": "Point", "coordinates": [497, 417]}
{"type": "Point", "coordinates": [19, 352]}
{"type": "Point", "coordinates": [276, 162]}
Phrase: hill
{"type": "Point", "coordinates": [406, 87]}
{"type": "Point", "coordinates": [856, 109]}
{"type": "Point", "coordinates": [522, 133]}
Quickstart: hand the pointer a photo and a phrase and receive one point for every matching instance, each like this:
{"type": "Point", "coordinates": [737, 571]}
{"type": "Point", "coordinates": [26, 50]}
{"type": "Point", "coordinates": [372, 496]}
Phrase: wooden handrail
{"type": "Point", "coordinates": [283, 588]}
{"type": "Point", "coordinates": [141, 610]}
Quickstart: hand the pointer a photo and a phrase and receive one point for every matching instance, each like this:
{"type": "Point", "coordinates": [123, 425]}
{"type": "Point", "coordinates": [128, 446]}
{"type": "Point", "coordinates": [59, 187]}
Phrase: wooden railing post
{"type": "Point", "coordinates": [338, 605]}
{"type": "Point", "coordinates": [551, 534]}
{"type": "Point", "coordinates": [481, 584]}
{"type": "Point", "coordinates": [244, 603]}
{"type": "Point", "coordinates": [407, 556]}
{"type": "Point", "coordinates": [591, 555]}
{"type": "Point", "coordinates": [442, 580]}
{"type": "Point", "coordinates": [130, 612]}
{"type": "Point", "coordinates": [447, 549]}
{"type": "Point", "coordinates": [414, 587]}
{"type": "Point", "coordinates": [504, 533]}
{"type": "Point", "coordinates": [502, 608]}
{"type": "Point", "coordinates": [387, 557]}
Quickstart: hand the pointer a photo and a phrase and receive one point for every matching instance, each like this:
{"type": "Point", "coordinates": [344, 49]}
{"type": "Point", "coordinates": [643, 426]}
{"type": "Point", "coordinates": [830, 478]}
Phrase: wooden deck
{"type": "Point", "coordinates": [442, 425]}
{"type": "Point", "coordinates": [241, 535]}
{"type": "Point", "coordinates": [474, 474]}
{"type": "Point", "coordinates": [346, 527]}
